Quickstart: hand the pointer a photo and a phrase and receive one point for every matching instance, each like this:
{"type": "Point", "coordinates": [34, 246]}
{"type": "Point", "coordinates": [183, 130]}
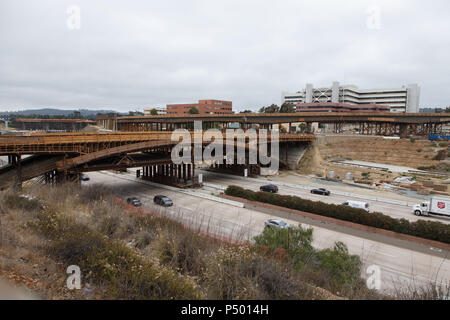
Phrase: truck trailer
{"type": "Point", "coordinates": [436, 206]}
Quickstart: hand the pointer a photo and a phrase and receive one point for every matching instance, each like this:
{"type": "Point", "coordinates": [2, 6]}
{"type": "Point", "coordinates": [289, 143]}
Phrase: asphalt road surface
{"type": "Point", "coordinates": [393, 210]}
{"type": "Point", "coordinates": [399, 267]}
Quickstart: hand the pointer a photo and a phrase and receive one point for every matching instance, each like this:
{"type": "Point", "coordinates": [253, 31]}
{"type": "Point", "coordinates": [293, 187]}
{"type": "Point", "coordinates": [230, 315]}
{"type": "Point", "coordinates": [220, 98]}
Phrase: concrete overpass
{"type": "Point", "coordinates": [402, 124]}
{"type": "Point", "coordinates": [53, 124]}
{"type": "Point", "coordinates": [64, 155]}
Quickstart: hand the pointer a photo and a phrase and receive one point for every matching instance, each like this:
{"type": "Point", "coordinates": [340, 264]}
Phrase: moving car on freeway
{"type": "Point", "coordinates": [163, 201]}
{"type": "Point", "coordinates": [84, 177]}
{"type": "Point", "coordinates": [134, 201]}
{"type": "Point", "coordinates": [357, 205]}
{"type": "Point", "coordinates": [321, 191]}
{"type": "Point", "coordinates": [269, 188]}
{"type": "Point", "coordinates": [276, 223]}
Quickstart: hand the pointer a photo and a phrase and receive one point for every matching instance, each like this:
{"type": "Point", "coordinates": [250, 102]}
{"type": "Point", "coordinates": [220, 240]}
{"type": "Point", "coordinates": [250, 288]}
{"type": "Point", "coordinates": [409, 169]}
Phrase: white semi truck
{"type": "Point", "coordinates": [436, 206]}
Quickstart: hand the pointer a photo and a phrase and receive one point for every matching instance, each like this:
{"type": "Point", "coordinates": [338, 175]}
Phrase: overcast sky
{"type": "Point", "coordinates": [127, 55]}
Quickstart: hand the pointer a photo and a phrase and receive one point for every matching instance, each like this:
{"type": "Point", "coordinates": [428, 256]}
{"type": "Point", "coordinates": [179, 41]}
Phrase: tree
{"type": "Point", "coordinates": [343, 268]}
{"type": "Point", "coordinates": [193, 110]}
{"type": "Point", "coordinates": [246, 111]}
{"type": "Point", "coordinates": [153, 112]}
{"type": "Point", "coordinates": [287, 107]}
{"type": "Point", "coordinates": [273, 108]}
{"type": "Point", "coordinates": [302, 127]}
{"type": "Point", "coordinates": [297, 241]}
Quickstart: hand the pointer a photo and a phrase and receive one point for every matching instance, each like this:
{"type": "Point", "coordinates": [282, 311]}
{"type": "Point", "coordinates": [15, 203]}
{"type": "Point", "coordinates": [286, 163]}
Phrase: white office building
{"type": "Point", "coordinates": [404, 99]}
{"type": "Point", "coordinates": [159, 111]}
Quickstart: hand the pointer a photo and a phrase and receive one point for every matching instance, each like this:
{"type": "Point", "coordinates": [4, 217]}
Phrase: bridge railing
{"type": "Point", "coordinates": [72, 142]}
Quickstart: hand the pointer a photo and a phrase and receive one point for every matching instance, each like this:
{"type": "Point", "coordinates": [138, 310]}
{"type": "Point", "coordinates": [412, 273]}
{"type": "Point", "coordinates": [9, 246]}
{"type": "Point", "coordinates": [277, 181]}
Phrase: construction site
{"type": "Point", "coordinates": [127, 161]}
{"type": "Point", "coordinates": [379, 163]}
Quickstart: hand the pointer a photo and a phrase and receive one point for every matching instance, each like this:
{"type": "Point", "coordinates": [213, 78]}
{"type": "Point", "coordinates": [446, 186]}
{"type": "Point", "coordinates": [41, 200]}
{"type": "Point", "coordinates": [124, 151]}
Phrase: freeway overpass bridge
{"type": "Point", "coordinates": [67, 125]}
{"type": "Point", "coordinates": [61, 157]}
{"type": "Point", "coordinates": [388, 124]}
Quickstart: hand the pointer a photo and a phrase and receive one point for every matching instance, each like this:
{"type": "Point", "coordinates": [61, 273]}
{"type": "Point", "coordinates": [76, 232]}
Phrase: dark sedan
{"type": "Point", "coordinates": [134, 201]}
{"type": "Point", "coordinates": [321, 191]}
{"type": "Point", "coordinates": [269, 188]}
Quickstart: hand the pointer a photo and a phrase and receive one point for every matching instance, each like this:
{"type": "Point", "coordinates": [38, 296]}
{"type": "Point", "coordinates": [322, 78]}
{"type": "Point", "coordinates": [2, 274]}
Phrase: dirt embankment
{"type": "Point", "coordinates": [375, 149]}
{"type": "Point", "coordinates": [415, 154]}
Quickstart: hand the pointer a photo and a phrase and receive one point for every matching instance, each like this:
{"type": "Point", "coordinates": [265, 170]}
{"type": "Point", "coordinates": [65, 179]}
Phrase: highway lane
{"type": "Point", "coordinates": [393, 210]}
{"type": "Point", "coordinates": [399, 267]}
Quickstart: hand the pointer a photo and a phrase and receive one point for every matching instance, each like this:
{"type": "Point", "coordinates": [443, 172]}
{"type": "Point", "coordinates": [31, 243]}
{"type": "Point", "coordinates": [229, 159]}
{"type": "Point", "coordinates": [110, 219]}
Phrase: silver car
{"type": "Point", "coordinates": [276, 223]}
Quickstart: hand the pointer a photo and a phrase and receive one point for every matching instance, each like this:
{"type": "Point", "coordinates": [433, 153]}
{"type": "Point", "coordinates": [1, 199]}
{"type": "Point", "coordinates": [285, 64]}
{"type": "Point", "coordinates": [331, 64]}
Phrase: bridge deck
{"type": "Point", "coordinates": [272, 118]}
{"type": "Point", "coordinates": [83, 143]}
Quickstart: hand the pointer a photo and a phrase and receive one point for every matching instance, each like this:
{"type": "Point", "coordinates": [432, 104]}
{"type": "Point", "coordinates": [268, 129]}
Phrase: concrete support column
{"type": "Point", "coordinates": [12, 160]}
{"type": "Point", "coordinates": [403, 130]}
{"type": "Point", "coordinates": [19, 172]}
{"type": "Point", "coordinates": [189, 173]}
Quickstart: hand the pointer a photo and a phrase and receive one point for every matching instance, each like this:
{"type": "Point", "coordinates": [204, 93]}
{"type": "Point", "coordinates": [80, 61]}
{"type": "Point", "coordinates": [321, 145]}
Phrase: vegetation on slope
{"type": "Point", "coordinates": [129, 254]}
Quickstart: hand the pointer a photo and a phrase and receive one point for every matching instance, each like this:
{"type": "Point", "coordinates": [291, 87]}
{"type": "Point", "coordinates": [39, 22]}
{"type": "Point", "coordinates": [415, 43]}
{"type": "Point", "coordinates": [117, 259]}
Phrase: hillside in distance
{"type": "Point", "coordinates": [56, 112]}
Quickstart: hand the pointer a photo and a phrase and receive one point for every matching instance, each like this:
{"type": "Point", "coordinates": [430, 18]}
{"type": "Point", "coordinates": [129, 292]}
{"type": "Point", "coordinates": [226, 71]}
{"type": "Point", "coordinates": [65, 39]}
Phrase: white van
{"type": "Point", "coordinates": [357, 205]}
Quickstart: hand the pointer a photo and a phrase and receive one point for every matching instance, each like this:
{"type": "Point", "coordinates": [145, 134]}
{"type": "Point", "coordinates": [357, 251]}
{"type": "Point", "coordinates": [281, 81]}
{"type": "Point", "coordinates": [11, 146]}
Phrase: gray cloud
{"type": "Point", "coordinates": [131, 54]}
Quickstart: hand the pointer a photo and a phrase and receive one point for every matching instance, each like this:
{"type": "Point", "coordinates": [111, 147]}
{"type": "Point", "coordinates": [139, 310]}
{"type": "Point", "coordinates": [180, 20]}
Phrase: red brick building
{"type": "Point", "coordinates": [203, 107]}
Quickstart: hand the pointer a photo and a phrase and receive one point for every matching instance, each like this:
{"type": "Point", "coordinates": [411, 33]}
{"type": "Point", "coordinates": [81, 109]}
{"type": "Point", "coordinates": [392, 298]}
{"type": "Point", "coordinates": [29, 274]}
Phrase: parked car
{"type": "Point", "coordinates": [84, 177]}
{"type": "Point", "coordinates": [163, 201]}
{"type": "Point", "coordinates": [276, 223]}
{"type": "Point", "coordinates": [321, 191]}
{"type": "Point", "coordinates": [269, 188]}
{"type": "Point", "coordinates": [357, 205]}
{"type": "Point", "coordinates": [134, 201]}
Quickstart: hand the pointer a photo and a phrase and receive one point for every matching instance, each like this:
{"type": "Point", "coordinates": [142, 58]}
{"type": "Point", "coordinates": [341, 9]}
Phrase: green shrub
{"type": "Point", "coordinates": [343, 269]}
{"type": "Point", "coordinates": [15, 201]}
{"type": "Point", "coordinates": [334, 269]}
{"type": "Point", "coordinates": [238, 273]}
{"type": "Point", "coordinates": [95, 192]}
{"type": "Point", "coordinates": [425, 229]}
{"type": "Point", "coordinates": [296, 241]}
{"type": "Point", "coordinates": [102, 261]}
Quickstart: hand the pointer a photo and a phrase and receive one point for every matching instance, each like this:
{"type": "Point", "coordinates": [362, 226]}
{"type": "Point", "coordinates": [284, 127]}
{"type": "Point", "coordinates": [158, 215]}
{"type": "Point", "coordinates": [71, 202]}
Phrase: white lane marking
{"type": "Point", "coordinates": [385, 254]}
